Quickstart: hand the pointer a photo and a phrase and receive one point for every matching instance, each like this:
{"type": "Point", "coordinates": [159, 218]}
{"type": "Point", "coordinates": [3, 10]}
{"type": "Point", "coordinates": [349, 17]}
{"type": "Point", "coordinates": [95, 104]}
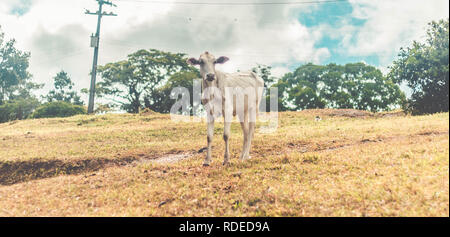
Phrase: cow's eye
{"type": "Point", "coordinates": [201, 62]}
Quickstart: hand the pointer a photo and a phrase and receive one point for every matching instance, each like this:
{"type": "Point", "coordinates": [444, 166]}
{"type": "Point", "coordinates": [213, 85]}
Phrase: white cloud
{"type": "Point", "coordinates": [279, 71]}
{"type": "Point", "coordinates": [57, 32]}
{"type": "Point", "coordinates": [390, 25]}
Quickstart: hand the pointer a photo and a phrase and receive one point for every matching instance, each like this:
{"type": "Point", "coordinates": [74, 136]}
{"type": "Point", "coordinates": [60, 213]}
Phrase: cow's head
{"type": "Point", "coordinates": [207, 63]}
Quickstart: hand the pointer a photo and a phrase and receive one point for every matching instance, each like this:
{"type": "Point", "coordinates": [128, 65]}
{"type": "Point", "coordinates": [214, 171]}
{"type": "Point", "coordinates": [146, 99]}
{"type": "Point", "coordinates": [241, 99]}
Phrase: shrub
{"type": "Point", "coordinates": [17, 109]}
{"type": "Point", "coordinates": [58, 109]}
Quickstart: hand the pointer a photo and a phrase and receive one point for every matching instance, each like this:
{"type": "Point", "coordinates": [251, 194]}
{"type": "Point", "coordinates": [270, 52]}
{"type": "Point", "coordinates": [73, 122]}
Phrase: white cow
{"type": "Point", "coordinates": [229, 94]}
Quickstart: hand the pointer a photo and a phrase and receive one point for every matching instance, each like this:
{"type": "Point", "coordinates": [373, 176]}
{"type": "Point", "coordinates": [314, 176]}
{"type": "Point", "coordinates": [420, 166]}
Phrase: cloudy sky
{"type": "Point", "coordinates": [56, 32]}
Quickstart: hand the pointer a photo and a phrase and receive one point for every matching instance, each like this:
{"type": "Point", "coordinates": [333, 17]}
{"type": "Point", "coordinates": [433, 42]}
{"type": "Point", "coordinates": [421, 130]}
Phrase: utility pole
{"type": "Point", "coordinates": [95, 40]}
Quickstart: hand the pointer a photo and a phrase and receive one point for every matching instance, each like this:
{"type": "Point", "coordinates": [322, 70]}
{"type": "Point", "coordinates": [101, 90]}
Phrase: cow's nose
{"type": "Point", "coordinates": [210, 77]}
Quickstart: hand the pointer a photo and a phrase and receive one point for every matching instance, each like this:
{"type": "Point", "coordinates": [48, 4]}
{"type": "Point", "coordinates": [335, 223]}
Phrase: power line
{"type": "Point", "coordinates": [133, 45]}
{"type": "Point", "coordinates": [61, 58]}
{"type": "Point", "coordinates": [237, 3]}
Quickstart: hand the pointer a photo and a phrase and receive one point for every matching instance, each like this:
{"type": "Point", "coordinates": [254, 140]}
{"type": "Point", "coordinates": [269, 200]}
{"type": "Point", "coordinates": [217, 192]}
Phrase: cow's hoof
{"type": "Point", "coordinates": [226, 163]}
{"type": "Point", "coordinates": [247, 157]}
{"type": "Point", "coordinates": [205, 165]}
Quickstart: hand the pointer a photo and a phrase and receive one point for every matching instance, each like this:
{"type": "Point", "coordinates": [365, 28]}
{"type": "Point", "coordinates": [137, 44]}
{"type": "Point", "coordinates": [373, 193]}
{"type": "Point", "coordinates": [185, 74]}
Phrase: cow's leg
{"type": "Point", "coordinates": [226, 136]}
{"type": "Point", "coordinates": [251, 131]}
{"type": "Point", "coordinates": [250, 114]}
{"type": "Point", "coordinates": [209, 139]}
{"type": "Point", "coordinates": [227, 119]}
{"type": "Point", "coordinates": [245, 131]}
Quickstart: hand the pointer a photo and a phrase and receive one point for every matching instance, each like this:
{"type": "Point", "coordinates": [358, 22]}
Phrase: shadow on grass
{"type": "Point", "coordinates": [12, 172]}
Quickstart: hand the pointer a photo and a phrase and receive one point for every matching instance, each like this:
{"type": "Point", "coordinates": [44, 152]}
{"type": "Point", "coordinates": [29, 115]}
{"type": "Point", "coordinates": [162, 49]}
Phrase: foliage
{"type": "Point", "coordinates": [265, 73]}
{"type": "Point", "coordinates": [354, 86]}
{"type": "Point", "coordinates": [103, 108]}
{"type": "Point", "coordinates": [17, 109]}
{"type": "Point", "coordinates": [63, 90]}
{"type": "Point", "coordinates": [162, 101]}
{"type": "Point", "coordinates": [425, 69]}
{"type": "Point", "coordinates": [14, 76]}
{"type": "Point", "coordinates": [138, 77]}
{"type": "Point", "coordinates": [58, 109]}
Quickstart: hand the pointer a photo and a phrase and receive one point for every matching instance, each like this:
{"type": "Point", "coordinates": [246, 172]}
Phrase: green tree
{"type": "Point", "coordinates": [16, 99]}
{"type": "Point", "coordinates": [265, 72]}
{"type": "Point", "coordinates": [161, 97]}
{"type": "Point", "coordinates": [128, 82]}
{"type": "Point", "coordinates": [425, 69]}
{"type": "Point", "coordinates": [354, 85]}
{"type": "Point", "coordinates": [15, 80]}
{"type": "Point", "coordinates": [63, 90]}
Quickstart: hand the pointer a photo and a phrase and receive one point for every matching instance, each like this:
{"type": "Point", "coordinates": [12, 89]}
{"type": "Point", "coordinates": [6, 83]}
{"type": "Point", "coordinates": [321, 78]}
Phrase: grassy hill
{"type": "Point", "coordinates": [351, 163]}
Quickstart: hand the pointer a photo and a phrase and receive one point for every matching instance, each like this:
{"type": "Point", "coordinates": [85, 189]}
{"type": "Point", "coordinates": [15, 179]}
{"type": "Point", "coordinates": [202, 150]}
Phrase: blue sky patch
{"type": "Point", "coordinates": [21, 8]}
{"type": "Point", "coordinates": [334, 15]}
{"type": "Point", "coordinates": [330, 14]}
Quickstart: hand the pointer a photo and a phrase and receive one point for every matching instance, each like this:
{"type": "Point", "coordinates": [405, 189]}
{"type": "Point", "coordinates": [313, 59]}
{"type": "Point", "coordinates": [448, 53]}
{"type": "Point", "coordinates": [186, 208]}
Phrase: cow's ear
{"type": "Point", "coordinates": [222, 59]}
{"type": "Point", "coordinates": [193, 61]}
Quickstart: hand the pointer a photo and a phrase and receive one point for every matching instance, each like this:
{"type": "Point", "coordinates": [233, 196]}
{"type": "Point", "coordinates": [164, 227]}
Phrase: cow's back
{"type": "Point", "coordinates": [244, 80]}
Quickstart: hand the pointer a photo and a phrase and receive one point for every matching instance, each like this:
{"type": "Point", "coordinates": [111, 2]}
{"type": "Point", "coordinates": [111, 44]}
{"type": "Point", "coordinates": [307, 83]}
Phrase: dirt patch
{"type": "Point", "coordinates": [351, 113]}
{"type": "Point", "coordinates": [166, 159]}
{"type": "Point", "coordinates": [147, 112]}
{"type": "Point", "coordinates": [313, 147]}
{"type": "Point", "coordinates": [428, 133]}
{"type": "Point", "coordinates": [148, 115]}
{"type": "Point", "coordinates": [391, 114]}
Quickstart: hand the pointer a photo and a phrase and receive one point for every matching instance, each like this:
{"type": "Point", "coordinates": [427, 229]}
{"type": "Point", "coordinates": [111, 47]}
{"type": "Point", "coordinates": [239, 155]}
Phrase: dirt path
{"type": "Point", "coordinates": [12, 172]}
{"type": "Point", "coordinates": [166, 159]}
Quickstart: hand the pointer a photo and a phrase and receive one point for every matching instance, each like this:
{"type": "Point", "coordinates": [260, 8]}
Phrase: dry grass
{"type": "Point", "coordinates": [341, 166]}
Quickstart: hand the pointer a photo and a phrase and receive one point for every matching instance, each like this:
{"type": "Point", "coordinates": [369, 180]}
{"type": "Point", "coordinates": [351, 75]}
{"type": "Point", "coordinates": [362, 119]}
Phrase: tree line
{"type": "Point", "coordinates": [145, 79]}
